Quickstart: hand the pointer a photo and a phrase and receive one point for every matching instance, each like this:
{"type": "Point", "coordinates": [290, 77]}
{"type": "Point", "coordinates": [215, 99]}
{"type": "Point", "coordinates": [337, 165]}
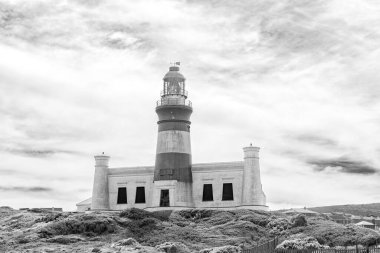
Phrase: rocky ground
{"type": "Point", "coordinates": [136, 230]}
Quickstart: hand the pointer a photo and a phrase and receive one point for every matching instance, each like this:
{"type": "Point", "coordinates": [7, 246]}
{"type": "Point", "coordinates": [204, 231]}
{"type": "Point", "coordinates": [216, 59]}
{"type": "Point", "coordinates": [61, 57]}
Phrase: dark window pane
{"type": "Point", "coordinates": [122, 195]}
{"type": "Point", "coordinates": [140, 195]}
{"type": "Point", "coordinates": [164, 200]}
{"type": "Point", "coordinates": [228, 193]}
{"type": "Point", "coordinates": [207, 192]}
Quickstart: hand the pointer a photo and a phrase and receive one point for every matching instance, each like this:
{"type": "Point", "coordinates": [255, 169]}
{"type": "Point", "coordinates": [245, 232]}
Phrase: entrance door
{"type": "Point", "coordinates": [164, 200]}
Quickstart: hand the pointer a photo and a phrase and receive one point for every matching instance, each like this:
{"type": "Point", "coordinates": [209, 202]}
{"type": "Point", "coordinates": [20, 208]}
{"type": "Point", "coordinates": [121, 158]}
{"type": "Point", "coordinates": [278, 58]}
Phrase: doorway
{"type": "Point", "coordinates": [164, 200]}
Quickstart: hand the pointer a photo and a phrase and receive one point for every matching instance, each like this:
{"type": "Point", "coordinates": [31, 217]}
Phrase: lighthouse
{"type": "Point", "coordinates": [172, 170]}
{"type": "Point", "coordinates": [174, 182]}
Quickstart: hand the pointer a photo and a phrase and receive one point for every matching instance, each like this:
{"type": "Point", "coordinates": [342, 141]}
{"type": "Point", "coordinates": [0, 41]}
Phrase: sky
{"type": "Point", "coordinates": [298, 78]}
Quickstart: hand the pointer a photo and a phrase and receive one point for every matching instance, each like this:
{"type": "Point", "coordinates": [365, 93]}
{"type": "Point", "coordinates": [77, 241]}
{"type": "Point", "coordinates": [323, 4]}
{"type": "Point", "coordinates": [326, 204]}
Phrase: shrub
{"type": "Point", "coordinates": [162, 215]}
{"type": "Point", "coordinates": [139, 214]}
{"type": "Point", "coordinates": [49, 217]}
{"type": "Point", "coordinates": [301, 243]}
{"type": "Point", "coordinates": [299, 221]}
{"type": "Point", "coordinates": [82, 224]}
{"type": "Point", "coordinates": [333, 234]}
{"type": "Point", "coordinates": [259, 220]}
{"type": "Point", "coordinates": [369, 240]}
{"type": "Point", "coordinates": [220, 218]}
{"type": "Point", "coordinates": [135, 214]}
{"type": "Point", "coordinates": [196, 214]}
{"type": "Point", "coordinates": [278, 226]}
{"type": "Point", "coordinates": [142, 227]}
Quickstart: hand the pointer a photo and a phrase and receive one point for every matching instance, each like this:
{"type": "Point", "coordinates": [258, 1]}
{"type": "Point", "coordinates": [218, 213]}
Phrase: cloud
{"type": "Point", "coordinates": [297, 78]}
{"type": "Point", "coordinates": [36, 189]}
{"type": "Point", "coordinates": [90, 3]}
{"type": "Point", "coordinates": [343, 165]}
{"type": "Point", "coordinates": [317, 140]}
{"type": "Point", "coordinates": [40, 153]}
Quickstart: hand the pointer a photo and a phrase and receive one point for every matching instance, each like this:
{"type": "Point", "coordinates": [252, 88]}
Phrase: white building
{"type": "Point", "coordinates": [174, 182]}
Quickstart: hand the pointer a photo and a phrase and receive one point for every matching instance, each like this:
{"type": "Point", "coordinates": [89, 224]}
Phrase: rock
{"type": "Point", "coordinates": [224, 249]}
{"type": "Point", "coordinates": [130, 245]}
{"type": "Point", "coordinates": [96, 250]}
{"type": "Point", "coordinates": [126, 242]}
{"type": "Point", "coordinates": [64, 239]}
{"type": "Point", "coordinates": [173, 247]}
{"type": "Point", "coordinates": [49, 250]}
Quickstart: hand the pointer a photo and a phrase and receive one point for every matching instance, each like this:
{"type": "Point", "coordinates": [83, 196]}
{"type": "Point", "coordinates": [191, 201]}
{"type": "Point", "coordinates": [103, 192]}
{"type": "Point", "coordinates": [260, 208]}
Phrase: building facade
{"type": "Point", "coordinates": [174, 182]}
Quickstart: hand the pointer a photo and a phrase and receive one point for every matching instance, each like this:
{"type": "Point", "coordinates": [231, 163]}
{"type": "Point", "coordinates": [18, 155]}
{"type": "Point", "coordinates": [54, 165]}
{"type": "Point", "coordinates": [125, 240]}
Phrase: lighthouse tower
{"type": "Point", "coordinates": [172, 172]}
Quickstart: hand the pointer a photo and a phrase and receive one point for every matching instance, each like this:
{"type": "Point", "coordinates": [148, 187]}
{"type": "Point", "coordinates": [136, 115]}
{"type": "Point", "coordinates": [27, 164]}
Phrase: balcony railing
{"type": "Point", "coordinates": [180, 93]}
{"type": "Point", "coordinates": [174, 101]}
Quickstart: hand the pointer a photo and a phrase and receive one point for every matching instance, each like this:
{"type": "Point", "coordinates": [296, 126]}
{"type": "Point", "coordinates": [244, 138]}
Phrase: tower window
{"type": "Point", "coordinates": [140, 195]}
{"type": "Point", "coordinates": [207, 192]}
{"type": "Point", "coordinates": [166, 174]}
{"type": "Point", "coordinates": [228, 193]}
{"type": "Point", "coordinates": [122, 195]}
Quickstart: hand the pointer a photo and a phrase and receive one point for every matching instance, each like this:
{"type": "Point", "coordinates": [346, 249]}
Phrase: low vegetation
{"type": "Point", "coordinates": [360, 210]}
{"type": "Point", "coordinates": [185, 231]}
{"type": "Point", "coordinates": [88, 224]}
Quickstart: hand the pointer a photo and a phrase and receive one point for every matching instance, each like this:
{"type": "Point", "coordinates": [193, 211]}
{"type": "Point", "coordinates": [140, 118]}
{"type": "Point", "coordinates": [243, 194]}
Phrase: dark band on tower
{"type": "Point", "coordinates": [173, 155]}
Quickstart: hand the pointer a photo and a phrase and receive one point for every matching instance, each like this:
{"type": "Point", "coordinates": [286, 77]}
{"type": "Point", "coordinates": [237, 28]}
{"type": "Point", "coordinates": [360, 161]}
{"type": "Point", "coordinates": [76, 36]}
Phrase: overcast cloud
{"type": "Point", "coordinates": [298, 78]}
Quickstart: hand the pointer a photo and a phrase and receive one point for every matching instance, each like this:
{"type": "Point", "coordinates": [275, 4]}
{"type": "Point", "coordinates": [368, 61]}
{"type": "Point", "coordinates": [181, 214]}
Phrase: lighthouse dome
{"type": "Point", "coordinates": [174, 73]}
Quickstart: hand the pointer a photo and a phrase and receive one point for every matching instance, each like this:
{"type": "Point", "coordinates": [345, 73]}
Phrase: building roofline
{"type": "Point", "coordinates": [84, 202]}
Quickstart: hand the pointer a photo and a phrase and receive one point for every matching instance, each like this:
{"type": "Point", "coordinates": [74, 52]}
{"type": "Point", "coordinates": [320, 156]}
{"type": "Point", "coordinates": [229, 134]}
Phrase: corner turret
{"type": "Point", "coordinates": [100, 188]}
{"type": "Point", "coordinates": [252, 189]}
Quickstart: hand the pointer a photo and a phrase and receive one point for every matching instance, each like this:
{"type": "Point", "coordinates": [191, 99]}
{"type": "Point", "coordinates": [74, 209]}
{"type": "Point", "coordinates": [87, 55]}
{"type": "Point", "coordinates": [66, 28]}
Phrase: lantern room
{"type": "Point", "coordinates": [174, 83]}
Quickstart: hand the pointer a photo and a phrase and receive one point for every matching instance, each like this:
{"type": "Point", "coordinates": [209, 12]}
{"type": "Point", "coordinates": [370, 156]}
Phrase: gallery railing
{"type": "Point", "coordinates": [180, 92]}
{"type": "Point", "coordinates": [174, 101]}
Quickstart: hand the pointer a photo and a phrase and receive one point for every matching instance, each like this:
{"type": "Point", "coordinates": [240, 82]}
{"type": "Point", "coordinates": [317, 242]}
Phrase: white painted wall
{"type": "Point", "coordinates": [130, 181]}
{"type": "Point", "coordinates": [207, 173]}
{"type": "Point", "coordinates": [217, 178]}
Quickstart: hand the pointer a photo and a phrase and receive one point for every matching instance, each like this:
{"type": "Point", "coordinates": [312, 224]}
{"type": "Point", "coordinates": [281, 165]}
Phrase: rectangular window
{"type": "Point", "coordinates": [122, 195]}
{"type": "Point", "coordinates": [140, 195]}
{"type": "Point", "coordinates": [207, 193]}
{"type": "Point", "coordinates": [228, 193]}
